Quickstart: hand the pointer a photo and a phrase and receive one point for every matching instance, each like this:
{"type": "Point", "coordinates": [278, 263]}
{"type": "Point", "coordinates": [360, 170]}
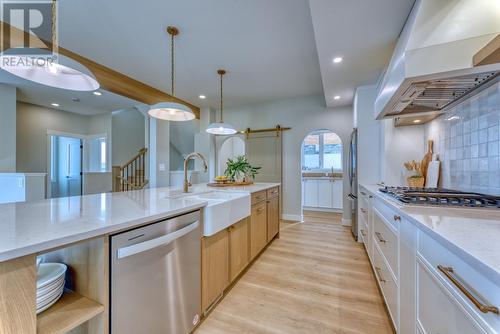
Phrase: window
{"type": "Point", "coordinates": [97, 154]}
{"type": "Point", "coordinates": [322, 150]}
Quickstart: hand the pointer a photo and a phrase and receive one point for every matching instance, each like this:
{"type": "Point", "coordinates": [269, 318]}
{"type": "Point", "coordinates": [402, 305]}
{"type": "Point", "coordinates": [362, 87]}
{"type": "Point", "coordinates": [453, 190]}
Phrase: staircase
{"type": "Point", "coordinates": [131, 176]}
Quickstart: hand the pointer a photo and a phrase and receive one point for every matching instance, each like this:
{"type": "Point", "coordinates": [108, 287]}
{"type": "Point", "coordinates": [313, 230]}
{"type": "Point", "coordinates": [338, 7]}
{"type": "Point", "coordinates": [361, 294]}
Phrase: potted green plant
{"type": "Point", "coordinates": [240, 170]}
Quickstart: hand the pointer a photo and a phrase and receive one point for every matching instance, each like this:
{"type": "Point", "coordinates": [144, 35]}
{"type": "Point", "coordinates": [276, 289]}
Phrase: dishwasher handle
{"type": "Point", "coordinates": [154, 243]}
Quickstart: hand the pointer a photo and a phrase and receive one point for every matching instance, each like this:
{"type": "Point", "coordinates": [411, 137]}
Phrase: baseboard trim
{"type": "Point", "coordinates": [295, 218]}
{"type": "Point", "coordinates": [307, 208]}
{"type": "Point", "coordinates": [346, 222]}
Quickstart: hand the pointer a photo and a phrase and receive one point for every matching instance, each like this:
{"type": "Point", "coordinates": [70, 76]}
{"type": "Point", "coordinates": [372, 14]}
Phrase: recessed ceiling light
{"type": "Point", "coordinates": [336, 97]}
{"type": "Point", "coordinates": [97, 93]}
{"type": "Point", "coordinates": [55, 104]}
{"type": "Point", "coordinates": [202, 97]}
{"type": "Point", "coordinates": [337, 60]}
{"type": "Point", "coordinates": [417, 121]}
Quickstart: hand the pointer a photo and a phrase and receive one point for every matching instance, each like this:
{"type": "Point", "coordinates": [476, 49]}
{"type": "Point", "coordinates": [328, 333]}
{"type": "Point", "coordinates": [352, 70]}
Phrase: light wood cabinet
{"type": "Point", "coordinates": [239, 256]}
{"type": "Point", "coordinates": [258, 228]}
{"type": "Point", "coordinates": [273, 217]}
{"type": "Point", "coordinates": [215, 267]}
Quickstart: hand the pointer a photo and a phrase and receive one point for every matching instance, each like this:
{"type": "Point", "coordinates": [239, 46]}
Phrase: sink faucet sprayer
{"type": "Point", "coordinates": [189, 157]}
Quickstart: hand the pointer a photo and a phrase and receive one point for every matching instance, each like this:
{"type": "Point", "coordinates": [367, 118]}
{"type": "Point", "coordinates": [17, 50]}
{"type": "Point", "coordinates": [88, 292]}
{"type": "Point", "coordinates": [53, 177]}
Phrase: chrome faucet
{"type": "Point", "coordinates": [189, 157]}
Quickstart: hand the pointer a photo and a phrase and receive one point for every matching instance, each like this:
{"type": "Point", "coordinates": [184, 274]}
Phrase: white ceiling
{"type": "Point", "coordinates": [363, 33]}
{"type": "Point", "coordinates": [270, 48]}
{"type": "Point", "coordinates": [267, 46]}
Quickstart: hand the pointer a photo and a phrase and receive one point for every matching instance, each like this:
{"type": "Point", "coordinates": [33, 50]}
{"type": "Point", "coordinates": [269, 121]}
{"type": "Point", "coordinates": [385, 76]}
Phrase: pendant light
{"type": "Point", "coordinates": [46, 68]}
{"type": "Point", "coordinates": [171, 111]}
{"type": "Point", "coordinates": [221, 128]}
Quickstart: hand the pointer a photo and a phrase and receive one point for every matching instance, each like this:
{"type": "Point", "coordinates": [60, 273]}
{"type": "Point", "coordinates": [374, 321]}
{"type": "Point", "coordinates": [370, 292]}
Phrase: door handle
{"type": "Point", "coordinates": [154, 243]}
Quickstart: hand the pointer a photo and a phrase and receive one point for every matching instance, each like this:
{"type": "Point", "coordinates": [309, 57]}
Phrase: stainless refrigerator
{"type": "Point", "coordinates": [353, 181]}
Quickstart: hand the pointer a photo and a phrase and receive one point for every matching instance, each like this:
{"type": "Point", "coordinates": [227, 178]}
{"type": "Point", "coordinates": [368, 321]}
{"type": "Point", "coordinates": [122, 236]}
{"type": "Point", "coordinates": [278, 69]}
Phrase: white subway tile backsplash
{"type": "Point", "coordinates": [467, 140]}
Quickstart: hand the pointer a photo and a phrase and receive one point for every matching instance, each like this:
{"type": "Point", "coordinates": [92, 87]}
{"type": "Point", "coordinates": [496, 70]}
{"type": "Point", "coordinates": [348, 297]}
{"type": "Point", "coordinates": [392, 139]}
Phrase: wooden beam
{"type": "Point", "coordinates": [108, 78]}
{"type": "Point", "coordinates": [490, 54]}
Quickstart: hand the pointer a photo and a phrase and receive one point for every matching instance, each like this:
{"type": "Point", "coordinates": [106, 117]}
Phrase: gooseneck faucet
{"type": "Point", "coordinates": [186, 160]}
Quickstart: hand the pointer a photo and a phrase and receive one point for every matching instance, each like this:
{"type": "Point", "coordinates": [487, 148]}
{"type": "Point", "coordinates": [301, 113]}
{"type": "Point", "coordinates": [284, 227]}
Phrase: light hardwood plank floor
{"type": "Point", "coordinates": [314, 279]}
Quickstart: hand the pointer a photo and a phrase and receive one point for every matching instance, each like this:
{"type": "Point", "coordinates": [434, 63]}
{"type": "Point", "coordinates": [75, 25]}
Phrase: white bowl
{"type": "Point", "coordinates": [49, 272]}
{"type": "Point", "coordinates": [49, 287]}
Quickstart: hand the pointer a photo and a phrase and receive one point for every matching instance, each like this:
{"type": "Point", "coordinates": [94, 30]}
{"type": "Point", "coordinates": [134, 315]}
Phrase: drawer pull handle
{"type": "Point", "coordinates": [370, 196]}
{"type": "Point", "coordinates": [380, 237]}
{"type": "Point", "coordinates": [363, 210]}
{"type": "Point", "coordinates": [363, 233]}
{"type": "Point", "coordinates": [449, 273]}
{"type": "Point", "coordinates": [397, 218]}
{"type": "Point", "coordinates": [363, 193]}
{"type": "Point", "coordinates": [260, 211]}
{"type": "Point", "coordinates": [379, 273]}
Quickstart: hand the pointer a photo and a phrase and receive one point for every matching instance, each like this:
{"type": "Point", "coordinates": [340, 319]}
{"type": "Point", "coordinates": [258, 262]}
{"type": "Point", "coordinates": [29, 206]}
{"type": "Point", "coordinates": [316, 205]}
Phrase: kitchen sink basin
{"type": "Point", "coordinates": [223, 209]}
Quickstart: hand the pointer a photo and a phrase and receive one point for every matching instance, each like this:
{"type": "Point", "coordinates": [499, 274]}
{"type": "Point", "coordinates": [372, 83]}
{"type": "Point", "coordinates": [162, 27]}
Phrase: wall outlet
{"type": "Point", "coordinates": [161, 167]}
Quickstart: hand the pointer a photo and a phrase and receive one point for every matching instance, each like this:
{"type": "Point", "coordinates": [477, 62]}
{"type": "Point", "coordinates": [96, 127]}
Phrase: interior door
{"type": "Point", "coordinates": [68, 166]}
{"type": "Point", "coordinates": [265, 150]}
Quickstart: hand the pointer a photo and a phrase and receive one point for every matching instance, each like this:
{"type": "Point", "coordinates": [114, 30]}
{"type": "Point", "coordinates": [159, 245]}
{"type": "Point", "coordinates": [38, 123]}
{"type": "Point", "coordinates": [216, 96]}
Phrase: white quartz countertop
{"type": "Point", "coordinates": [28, 228]}
{"type": "Point", "coordinates": [473, 234]}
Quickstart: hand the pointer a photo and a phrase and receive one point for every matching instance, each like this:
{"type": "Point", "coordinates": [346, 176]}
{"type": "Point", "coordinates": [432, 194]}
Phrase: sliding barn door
{"type": "Point", "coordinates": [265, 150]}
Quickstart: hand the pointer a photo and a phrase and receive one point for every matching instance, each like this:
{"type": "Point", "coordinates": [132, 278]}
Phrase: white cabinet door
{"type": "Point", "coordinates": [337, 194]}
{"type": "Point", "coordinates": [437, 310]}
{"type": "Point", "coordinates": [311, 193]}
{"type": "Point", "coordinates": [325, 193]}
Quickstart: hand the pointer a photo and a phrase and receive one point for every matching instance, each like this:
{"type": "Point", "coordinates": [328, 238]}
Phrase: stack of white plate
{"type": "Point", "coordinates": [49, 285]}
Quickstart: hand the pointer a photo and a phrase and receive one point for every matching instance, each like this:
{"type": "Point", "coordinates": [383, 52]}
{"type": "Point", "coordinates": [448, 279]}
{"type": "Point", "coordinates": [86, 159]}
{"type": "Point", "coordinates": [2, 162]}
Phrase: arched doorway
{"type": "Point", "coordinates": [229, 149]}
{"type": "Point", "coordinates": [322, 172]}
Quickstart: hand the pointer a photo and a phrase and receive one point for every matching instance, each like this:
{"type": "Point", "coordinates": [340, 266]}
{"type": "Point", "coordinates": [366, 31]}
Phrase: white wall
{"type": "Point", "coordinates": [205, 144]}
{"type": "Point", "coordinates": [32, 124]}
{"type": "Point", "coordinates": [369, 157]}
{"type": "Point", "coordinates": [8, 129]}
{"type": "Point", "coordinates": [128, 133]}
{"type": "Point", "coordinates": [399, 145]}
{"type": "Point", "coordinates": [303, 115]}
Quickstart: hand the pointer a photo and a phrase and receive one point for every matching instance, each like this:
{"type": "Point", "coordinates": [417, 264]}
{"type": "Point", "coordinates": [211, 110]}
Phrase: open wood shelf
{"type": "Point", "coordinates": [69, 312]}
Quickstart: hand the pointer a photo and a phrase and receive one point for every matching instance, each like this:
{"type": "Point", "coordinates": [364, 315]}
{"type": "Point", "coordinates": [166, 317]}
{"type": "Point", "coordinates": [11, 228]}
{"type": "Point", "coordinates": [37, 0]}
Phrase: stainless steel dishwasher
{"type": "Point", "coordinates": [156, 277]}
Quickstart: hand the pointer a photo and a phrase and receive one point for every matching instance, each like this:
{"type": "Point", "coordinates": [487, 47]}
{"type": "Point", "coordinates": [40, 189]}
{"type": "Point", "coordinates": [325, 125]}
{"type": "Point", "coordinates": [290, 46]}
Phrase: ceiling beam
{"type": "Point", "coordinates": [109, 79]}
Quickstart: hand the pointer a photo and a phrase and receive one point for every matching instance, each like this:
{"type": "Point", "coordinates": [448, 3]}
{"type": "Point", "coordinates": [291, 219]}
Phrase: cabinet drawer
{"type": "Point", "coordinates": [437, 310]}
{"type": "Point", "coordinates": [386, 239]}
{"type": "Point", "coordinates": [391, 215]}
{"type": "Point", "coordinates": [258, 197]}
{"type": "Point", "coordinates": [462, 281]}
{"type": "Point", "coordinates": [387, 285]}
{"type": "Point", "coordinates": [273, 192]}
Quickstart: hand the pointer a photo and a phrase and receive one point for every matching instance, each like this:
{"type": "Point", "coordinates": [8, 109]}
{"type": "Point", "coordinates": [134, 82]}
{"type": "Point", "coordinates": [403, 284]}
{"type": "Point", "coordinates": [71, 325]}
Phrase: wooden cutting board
{"type": "Point", "coordinates": [427, 158]}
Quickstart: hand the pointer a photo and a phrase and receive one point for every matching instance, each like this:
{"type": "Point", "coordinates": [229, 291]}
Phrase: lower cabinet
{"type": "Point", "coordinates": [258, 228]}
{"type": "Point", "coordinates": [273, 217]}
{"type": "Point", "coordinates": [226, 254]}
{"type": "Point", "coordinates": [239, 255]}
{"type": "Point", "coordinates": [215, 267]}
{"type": "Point", "coordinates": [322, 193]}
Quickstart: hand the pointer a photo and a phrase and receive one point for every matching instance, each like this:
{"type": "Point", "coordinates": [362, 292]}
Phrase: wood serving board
{"type": "Point", "coordinates": [230, 184]}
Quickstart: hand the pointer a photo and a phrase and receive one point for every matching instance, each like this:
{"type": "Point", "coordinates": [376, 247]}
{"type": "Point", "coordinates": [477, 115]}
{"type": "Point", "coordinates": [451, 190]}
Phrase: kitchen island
{"type": "Point", "coordinates": [76, 231]}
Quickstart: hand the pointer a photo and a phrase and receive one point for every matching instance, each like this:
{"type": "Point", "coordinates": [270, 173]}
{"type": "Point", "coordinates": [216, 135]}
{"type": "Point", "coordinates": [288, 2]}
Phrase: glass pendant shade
{"type": "Point", "coordinates": [221, 129]}
{"type": "Point", "coordinates": [66, 73]}
{"type": "Point", "coordinates": [171, 111]}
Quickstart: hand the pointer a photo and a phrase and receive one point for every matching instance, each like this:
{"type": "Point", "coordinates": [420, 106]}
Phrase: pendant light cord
{"type": "Point", "coordinates": [55, 47]}
{"type": "Point", "coordinates": [221, 100]}
{"type": "Point", "coordinates": [172, 62]}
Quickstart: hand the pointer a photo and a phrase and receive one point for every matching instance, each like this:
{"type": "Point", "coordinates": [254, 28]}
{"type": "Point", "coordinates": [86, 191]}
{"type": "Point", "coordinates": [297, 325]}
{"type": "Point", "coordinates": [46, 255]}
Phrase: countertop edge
{"type": "Point", "coordinates": [490, 272]}
{"type": "Point", "coordinates": [68, 240]}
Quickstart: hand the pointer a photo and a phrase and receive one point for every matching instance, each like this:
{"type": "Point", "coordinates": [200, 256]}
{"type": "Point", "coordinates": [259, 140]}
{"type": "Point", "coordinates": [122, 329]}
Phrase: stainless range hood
{"type": "Point", "coordinates": [432, 66]}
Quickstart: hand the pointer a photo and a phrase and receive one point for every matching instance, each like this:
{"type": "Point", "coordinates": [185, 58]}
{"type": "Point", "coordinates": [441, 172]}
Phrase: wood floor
{"type": "Point", "coordinates": [314, 279]}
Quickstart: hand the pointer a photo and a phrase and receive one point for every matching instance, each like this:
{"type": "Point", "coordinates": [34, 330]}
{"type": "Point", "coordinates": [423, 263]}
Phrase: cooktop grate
{"type": "Point", "coordinates": [442, 197]}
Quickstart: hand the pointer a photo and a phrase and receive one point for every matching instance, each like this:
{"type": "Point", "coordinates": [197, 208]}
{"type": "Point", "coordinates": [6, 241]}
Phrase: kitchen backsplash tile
{"type": "Point", "coordinates": [467, 140]}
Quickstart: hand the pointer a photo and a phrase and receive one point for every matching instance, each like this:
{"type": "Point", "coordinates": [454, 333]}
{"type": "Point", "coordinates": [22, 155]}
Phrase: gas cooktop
{"type": "Point", "coordinates": [442, 197]}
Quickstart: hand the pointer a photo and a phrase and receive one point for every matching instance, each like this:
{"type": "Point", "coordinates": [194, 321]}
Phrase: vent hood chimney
{"type": "Point", "coordinates": [432, 65]}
